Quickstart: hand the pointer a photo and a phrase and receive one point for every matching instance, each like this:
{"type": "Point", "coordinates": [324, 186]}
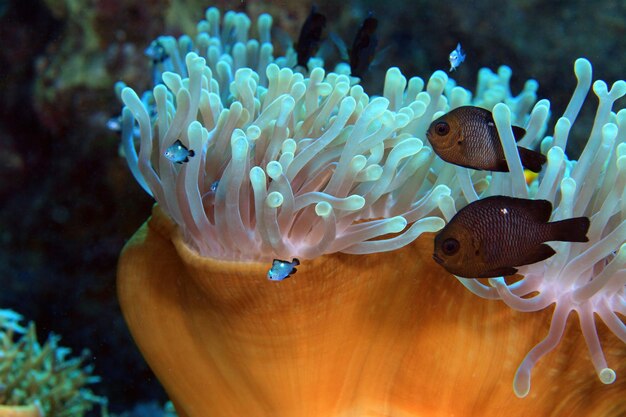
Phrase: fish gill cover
{"type": "Point", "coordinates": [291, 164]}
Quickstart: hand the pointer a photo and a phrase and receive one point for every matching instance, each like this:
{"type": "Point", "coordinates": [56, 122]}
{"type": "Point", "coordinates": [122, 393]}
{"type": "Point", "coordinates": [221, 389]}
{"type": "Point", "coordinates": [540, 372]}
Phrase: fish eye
{"type": "Point", "coordinates": [442, 128]}
{"type": "Point", "coordinates": [450, 246]}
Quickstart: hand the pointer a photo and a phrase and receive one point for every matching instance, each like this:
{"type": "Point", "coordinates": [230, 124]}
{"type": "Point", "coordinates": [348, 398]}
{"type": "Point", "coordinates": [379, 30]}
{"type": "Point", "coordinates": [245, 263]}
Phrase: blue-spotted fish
{"type": "Point", "coordinates": [456, 57]}
{"type": "Point", "coordinates": [282, 269]}
{"type": "Point", "coordinates": [178, 152]}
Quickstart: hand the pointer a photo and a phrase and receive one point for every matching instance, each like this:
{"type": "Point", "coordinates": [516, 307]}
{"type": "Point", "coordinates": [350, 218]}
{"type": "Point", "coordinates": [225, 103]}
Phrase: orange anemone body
{"type": "Point", "coordinates": [388, 334]}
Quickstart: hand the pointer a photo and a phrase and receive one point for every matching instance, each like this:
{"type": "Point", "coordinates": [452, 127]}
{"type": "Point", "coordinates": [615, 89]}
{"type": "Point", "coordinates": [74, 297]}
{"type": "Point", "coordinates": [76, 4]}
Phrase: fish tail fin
{"type": "Point", "coordinates": [531, 160]}
{"type": "Point", "coordinates": [571, 230]}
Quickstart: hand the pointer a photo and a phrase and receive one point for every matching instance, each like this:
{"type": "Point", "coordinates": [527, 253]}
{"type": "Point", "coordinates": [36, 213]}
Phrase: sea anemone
{"type": "Point", "coordinates": [584, 277]}
{"type": "Point", "coordinates": [308, 165]}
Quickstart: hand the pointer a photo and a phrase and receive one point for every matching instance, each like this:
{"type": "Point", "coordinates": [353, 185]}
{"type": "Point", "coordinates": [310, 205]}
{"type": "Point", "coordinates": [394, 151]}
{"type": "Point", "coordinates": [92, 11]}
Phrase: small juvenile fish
{"type": "Point", "coordinates": [456, 57]}
{"type": "Point", "coordinates": [310, 36]}
{"type": "Point", "coordinates": [178, 153]}
{"type": "Point", "coordinates": [156, 52]}
{"type": "Point", "coordinates": [160, 60]}
{"type": "Point", "coordinates": [364, 47]}
{"type": "Point", "coordinates": [467, 136]}
{"type": "Point", "coordinates": [282, 269]}
{"type": "Point", "coordinates": [489, 237]}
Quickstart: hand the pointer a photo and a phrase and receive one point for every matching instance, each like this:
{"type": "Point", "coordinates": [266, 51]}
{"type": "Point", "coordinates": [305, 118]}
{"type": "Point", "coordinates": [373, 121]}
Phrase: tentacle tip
{"type": "Point", "coordinates": [607, 376]}
{"type": "Point", "coordinates": [521, 384]}
{"type": "Point", "coordinates": [582, 65]}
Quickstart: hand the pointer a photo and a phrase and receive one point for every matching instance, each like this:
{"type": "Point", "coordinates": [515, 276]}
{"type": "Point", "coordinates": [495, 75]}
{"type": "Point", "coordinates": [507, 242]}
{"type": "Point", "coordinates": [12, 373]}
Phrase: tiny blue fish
{"type": "Point", "coordinates": [282, 269]}
{"type": "Point", "coordinates": [178, 153]}
{"type": "Point", "coordinates": [115, 124]}
{"type": "Point", "coordinates": [156, 52]}
{"type": "Point", "coordinates": [456, 57]}
{"type": "Point", "coordinates": [161, 61]}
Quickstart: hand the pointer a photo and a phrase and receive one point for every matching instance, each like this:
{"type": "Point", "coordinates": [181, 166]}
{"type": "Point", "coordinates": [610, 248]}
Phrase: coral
{"type": "Point", "coordinates": [308, 165]}
{"type": "Point", "coordinates": [42, 375]}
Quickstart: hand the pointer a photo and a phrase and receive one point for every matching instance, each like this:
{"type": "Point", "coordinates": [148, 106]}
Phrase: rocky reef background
{"type": "Point", "coordinates": [68, 202]}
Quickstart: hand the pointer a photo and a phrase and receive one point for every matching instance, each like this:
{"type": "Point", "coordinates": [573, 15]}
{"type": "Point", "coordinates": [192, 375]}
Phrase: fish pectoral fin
{"type": "Point", "coordinates": [537, 254]}
{"type": "Point", "coordinates": [498, 272]}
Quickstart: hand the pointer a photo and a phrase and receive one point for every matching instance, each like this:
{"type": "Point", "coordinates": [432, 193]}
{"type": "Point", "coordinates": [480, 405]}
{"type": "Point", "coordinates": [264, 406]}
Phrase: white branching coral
{"type": "Point", "coordinates": [292, 165]}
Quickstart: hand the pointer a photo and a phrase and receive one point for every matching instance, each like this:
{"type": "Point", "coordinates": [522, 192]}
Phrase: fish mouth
{"type": "Point", "coordinates": [437, 259]}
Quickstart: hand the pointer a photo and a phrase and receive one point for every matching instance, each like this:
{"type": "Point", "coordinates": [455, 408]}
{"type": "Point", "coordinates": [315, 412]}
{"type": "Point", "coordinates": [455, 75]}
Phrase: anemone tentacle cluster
{"type": "Point", "coordinates": [302, 165]}
{"type": "Point", "coordinates": [585, 277]}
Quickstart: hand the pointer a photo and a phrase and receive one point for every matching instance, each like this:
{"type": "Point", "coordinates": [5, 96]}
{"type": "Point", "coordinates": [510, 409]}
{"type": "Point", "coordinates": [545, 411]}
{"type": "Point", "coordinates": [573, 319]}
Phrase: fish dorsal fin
{"type": "Point", "coordinates": [518, 132]}
{"type": "Point", "coordinates": [537, 254]}
{"type": "Point", "coordinates": [540, 210]}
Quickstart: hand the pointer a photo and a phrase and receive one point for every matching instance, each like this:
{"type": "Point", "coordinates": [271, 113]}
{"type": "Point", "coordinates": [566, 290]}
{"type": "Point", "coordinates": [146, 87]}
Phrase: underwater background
{"type": "Point", "coordinates": [68, 202]}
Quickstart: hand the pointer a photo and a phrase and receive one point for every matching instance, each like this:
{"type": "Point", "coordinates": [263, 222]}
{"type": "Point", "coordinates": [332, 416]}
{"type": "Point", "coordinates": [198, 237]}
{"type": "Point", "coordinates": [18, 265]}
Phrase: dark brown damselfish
{"type": "Point", "coordinates": [489, 237]}
{"type": "Point", "coordinates": [467, 136]}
